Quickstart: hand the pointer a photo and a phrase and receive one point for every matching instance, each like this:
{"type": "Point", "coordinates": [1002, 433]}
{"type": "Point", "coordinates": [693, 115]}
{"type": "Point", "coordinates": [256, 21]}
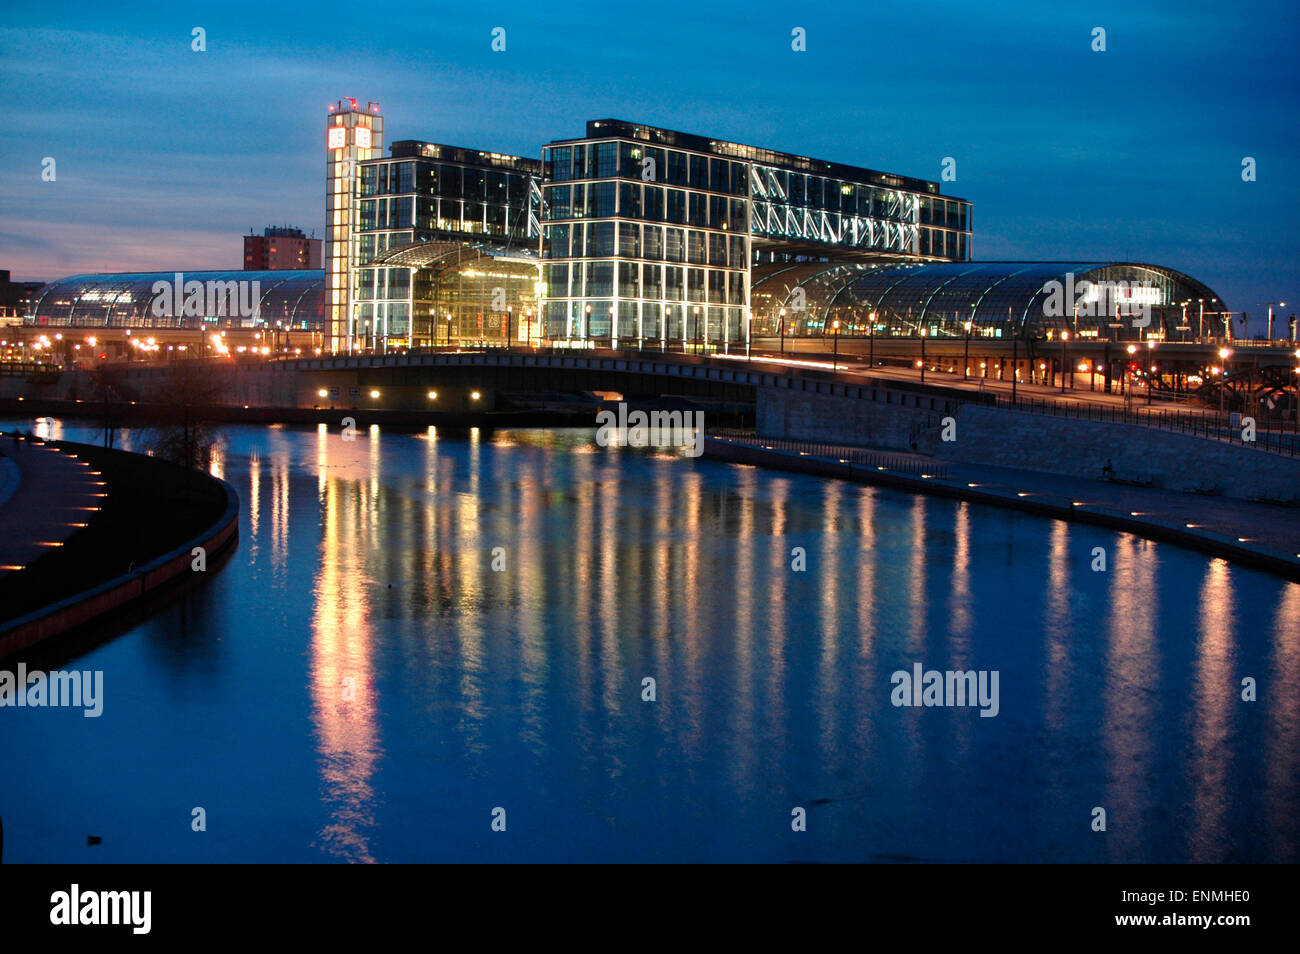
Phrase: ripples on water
{"type": "Point", "coordinates": [359, 684]}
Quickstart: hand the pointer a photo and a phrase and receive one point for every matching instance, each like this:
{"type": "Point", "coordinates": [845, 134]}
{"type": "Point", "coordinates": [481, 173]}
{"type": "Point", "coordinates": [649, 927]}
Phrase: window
{"type": "Point", "coordinates": [629, 240]}
{"type": "Point", "coordinates": [449, 183]}
{"type": "Point", "coordinates": [699, 214]}
{"type": "Point", "coordinates": [654, 204]}
{"type": "Point", "coordinates": [719, 175]}
{"type": "Point", "coordinates": [695, 284]}
{"type": "Point", "coordinates": [405, 177]}
{"type": "Point", "coordinates": [659, 170]}
{"type": "Point", "coordinates": [673, 287]}
{"type": "Point", "coordinates": [677, 206]}
{"type": "Point", "coordinates": [600, 243]}
{"type": "Point", "coordinates": [717, 249]}
{"type": "Point", "coordinates": [475, 183]}
{"type": "Point", "coordinates": [736, 288]}
{"type": "Point", "coordinates": [650, 281]}
{"type": "Point", "coordinates": [629, 160]}
{"type": "Point", "coordinates": [652, 246]}
{"type": "Point", "coordinates": [600, 280]}
{"type": "Point", "coordinates": [629, 285]}
{"type": "Point", "coordinates": [603, 199]}
{"type": "Point", "coordinates": [557, 240]}
{"type": "Point", "coordinates": [676, 168]}
{"type": "Point", "coordinates": [718, 212]}
{"type": "Point", "coordinates": [737, 251]}
{"type": "Point", "coordinates": [674, 245]}
{"type": "Point", "coordinates": [695, 248]}
{"type": "Point", "coordinates": [559, 164]}
{"type": "Point", "coordinates": [606, 160]}
{"type": "Point", "coordinates": [629, 200]}
{"type": "Point", "coordinates": [699, 171]}
{"type": "Point", "coordinates": [402, 213]}
{"type": "Point", "coordinates": [560, 206]}
{"type": "Point", "coordinates": [717, 286]}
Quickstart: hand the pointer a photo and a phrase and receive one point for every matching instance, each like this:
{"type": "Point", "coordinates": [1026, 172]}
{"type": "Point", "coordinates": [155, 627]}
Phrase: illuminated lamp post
{"type": "Point", "coordinates": [1065, 358]}
{"type": "Point", "coordinates": [1150, 348]}
{"type": "Point", "coordinates": [965, 359]}
{"type": "Point", "coordinates": [1223, 382]}
{"type": "Point", "coordinates": [835, 362]}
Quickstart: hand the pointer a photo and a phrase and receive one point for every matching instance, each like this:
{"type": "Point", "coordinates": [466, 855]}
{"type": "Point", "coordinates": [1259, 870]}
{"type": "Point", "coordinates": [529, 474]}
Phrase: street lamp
{"type": "Point", "coordinates": [781, 330]}
{"type": "Point", "coordinates": [1150, 348]}
{"type": "Point", "coordinates": [872, 346]}
{"type": "Point", "coordinates": [1223, 356]}
{"type": "Point", "coordinates": [922, 355]}
{"type": "Point", "coordinates": [835, 362]}
{"type": "Point", "coordinates": [1270, 304]}
{"type": "Point", "coordinates": [965, 360]}
{"type": "Point", "coordinates": [1065, 358]}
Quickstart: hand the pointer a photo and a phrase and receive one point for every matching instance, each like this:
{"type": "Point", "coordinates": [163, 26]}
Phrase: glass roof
{"type": "Point", "coordinates": [943, 296]}
{"type": "Point", "coordinates": [113, 299]}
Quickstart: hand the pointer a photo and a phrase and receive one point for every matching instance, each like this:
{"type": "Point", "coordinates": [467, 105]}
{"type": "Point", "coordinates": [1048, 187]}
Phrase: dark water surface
{"type": "Point", "coordinates": [359, 684]}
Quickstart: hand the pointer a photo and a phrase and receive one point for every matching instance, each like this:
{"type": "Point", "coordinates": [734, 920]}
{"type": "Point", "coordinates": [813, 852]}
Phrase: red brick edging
{"type": "Point", "coordinates": [115, 594]}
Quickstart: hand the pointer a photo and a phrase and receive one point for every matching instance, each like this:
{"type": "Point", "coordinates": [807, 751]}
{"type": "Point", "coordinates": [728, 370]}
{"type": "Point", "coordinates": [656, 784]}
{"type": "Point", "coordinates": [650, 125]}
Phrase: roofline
{"type": "Point", "coordinates": [697, 143]}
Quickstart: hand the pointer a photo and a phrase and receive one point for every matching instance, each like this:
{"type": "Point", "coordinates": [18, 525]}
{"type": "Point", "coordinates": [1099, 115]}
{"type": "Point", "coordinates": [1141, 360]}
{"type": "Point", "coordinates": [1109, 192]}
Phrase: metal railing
{"type": "Point", "coordinates": [897, 463]}
{"type": "Point", "coordinates": [1209, 424]}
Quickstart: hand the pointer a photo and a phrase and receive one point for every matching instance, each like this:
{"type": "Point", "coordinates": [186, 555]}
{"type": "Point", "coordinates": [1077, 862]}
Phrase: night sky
{"type": "Point", "coordinates": [166, 156]}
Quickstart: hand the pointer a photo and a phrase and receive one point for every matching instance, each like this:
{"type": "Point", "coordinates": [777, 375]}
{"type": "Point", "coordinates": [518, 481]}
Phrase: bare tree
{"type": "Point", "coordinates": [189, 390]}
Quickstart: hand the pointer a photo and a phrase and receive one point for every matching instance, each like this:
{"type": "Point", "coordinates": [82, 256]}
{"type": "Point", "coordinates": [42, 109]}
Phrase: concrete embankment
{"type": "Point", "coordinates": [1007, 437]}
{"type": "Point", "coordinates": [1253, 534]}
{"type": "Point", "coordinates": [141, 542]}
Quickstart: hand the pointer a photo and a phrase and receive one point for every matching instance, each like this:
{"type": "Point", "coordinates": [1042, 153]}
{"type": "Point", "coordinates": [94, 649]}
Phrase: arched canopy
{"type": "Point", "coordinates": [120, 300]}
{"type": "Point", "coordinates": [996, 297]}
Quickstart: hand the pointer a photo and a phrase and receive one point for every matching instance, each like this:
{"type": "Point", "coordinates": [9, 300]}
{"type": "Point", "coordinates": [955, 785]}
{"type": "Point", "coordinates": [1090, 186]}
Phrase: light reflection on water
{"type": "Point", "coordinates": [359, 683]}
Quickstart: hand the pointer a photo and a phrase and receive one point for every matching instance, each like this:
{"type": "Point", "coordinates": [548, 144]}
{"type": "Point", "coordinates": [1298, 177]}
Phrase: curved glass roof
{"type": "Point", "coordinates": [942, 296]}
{"type": "Point", "coordinates": [126, 298]}
{"type": "Point", "coordinates": [436, 255]}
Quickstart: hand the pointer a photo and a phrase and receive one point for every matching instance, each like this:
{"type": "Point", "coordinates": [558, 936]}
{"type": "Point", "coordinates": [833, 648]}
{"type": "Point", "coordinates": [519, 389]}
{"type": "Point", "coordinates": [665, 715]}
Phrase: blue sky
{"type": "Point", "coordinates": [166, 156]}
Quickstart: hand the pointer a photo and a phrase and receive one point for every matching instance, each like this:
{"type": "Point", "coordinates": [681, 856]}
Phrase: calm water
{"type": "Point", "coordinates": [358, 683]}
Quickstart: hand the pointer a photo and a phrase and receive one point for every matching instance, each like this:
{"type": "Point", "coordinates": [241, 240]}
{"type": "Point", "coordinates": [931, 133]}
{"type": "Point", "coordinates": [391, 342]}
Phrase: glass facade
{"type": "Point", "coordinates": [650, 234]}
{"type": "Point", "coordinates": [353, 134]}
{"type": "Point", "coordinates": [999, 299]}
{"type": "Point", "coordinates": [446, 246]}
{"type": "Point", "coordinates": [294, 298]}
